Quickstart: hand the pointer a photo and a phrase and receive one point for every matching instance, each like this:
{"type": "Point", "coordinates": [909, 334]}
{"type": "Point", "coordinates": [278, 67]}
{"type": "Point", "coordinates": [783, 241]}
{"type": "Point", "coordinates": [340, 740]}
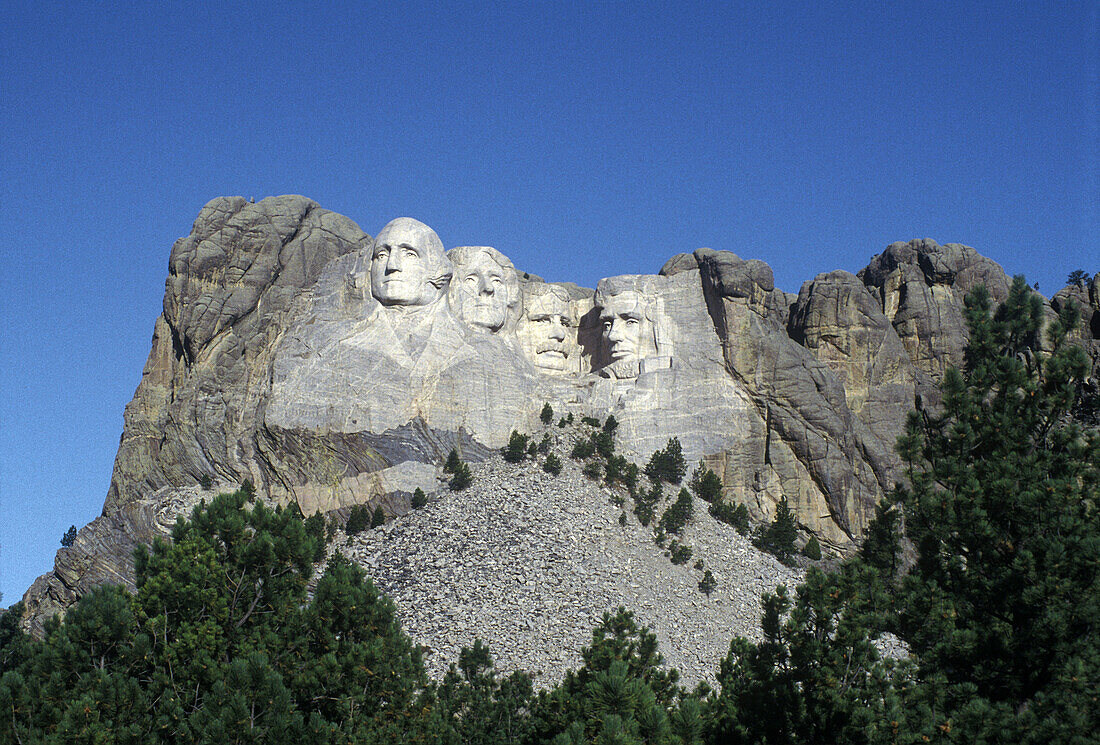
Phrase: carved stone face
{"type": "Point", "coordinates": [624, 326]}
{"type": "Point", "coordinates": [406, 264]}
{"type": "Point", "coordinates": [483, 293]}
{"type": "Point", "coordinates": [546, 330]}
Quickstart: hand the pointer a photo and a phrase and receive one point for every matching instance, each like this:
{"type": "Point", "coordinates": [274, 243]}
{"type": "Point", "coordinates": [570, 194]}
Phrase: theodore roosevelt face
{"type": "Point", "coordinates": [548, 324]}
{"type": "Point", "coordinates": [406, 264]}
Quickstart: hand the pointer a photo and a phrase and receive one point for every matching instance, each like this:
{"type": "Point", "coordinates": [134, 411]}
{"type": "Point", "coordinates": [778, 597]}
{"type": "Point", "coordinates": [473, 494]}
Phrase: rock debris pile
{"type": "Point", "coordinates": [529, 562]}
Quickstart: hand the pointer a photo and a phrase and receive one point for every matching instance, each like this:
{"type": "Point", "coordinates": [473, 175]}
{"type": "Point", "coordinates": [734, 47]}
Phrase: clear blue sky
{"type": "Point", "coordinates": [581, 139]}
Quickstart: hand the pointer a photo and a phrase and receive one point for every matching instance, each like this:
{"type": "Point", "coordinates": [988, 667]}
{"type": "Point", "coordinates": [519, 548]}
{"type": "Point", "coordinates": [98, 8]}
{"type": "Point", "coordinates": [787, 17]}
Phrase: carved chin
{"type": "Point", "coordinates": [397, 292]}
{"type": "Point", "coordinates": [484, 316]}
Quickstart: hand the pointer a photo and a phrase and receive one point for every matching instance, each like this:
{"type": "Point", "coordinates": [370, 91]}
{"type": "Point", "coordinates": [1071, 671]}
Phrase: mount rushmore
{"type": "Point", "coordinates": [333, 369]}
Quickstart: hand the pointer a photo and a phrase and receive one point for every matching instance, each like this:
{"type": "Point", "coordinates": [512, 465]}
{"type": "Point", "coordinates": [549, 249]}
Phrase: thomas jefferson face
{"type": "Point", "coordinates": [624, 324]}
{"type": "Point", "coordinates": [483, 293]}
{"type": "Point", "coordinates": [548, 323]}
{"type": "Point", "coordinates": [407, 257]}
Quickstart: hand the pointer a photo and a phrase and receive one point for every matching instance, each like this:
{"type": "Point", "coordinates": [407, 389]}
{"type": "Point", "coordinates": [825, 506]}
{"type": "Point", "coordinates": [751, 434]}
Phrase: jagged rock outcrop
{"type": "Point", "coordinates": [921, 286]}
{"type": "Point", "coordinates": [842, 324]}
{"type": "Point", "coordinates": [331, 369]}
{"type": "Point", "coordinates": [231, 283]}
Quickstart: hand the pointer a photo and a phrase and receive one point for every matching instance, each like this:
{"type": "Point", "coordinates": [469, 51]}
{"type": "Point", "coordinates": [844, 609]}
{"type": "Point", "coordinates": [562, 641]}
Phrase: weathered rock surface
{"type": "Point", "coordinates": [332, 369]}
{"type": "Point", "coordinates": [921, 286]}
{"type": "Point", "coordinates": [231, 283]}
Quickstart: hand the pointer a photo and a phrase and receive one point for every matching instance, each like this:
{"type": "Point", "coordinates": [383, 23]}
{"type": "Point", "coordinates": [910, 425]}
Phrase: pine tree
{"type": "Point", "coordinates": [707, 583]}
{"type": "Point", "coordinates": [453, 461]}
{"type": "Point", "coordinates": [812, 549]}
{"type": "Point", "coordinates": [552, 464]}
{"type": "Point", "coordinates": [419, 498]}
{"type": "Point", "coordinates": [667, 464]}
{"type": "Point", "coordinates": [516, 449]}
{"type": "Point", "coordinates": [778, 537]}
{"type": "Point", "coordinates": [221, 642]}
{"type": "Point", "coordinates": [358, 519]}
{"type": "Point", "coordinates": [705, 483]}
{"type": "Point", "coordinates": [378, 517]}
{"type": "Point", "coordinates": [70, 537]}
{"type": "Point", "coordinates": [1077, 277]}
{"type": "Point", "coordinates": [678, 513]}
{"type": "Point", "coordinates": [1002, 509]}
{"type": "Point", "coordinates": [547, 414]}
{"type": "Point", "coordinates": [462, 478]}
{"type": "Point", "coordinates": [882, 541]}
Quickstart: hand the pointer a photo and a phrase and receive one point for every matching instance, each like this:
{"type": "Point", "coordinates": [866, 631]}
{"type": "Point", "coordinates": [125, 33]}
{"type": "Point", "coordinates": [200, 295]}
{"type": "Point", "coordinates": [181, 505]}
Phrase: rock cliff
{"type": "Point", "coordinates": [331, 369]}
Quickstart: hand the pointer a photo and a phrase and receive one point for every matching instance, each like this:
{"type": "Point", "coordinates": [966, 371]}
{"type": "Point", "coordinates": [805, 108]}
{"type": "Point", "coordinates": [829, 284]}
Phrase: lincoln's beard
{"type": "Point", "coordinates": [622, 369]}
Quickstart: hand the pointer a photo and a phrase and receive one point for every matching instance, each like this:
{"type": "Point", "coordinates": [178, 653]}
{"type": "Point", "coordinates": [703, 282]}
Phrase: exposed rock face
{"type": "Point", "coordinates": [332, 369]}
{"type": "Point", "coordinates": [842, 324]}
{"type": "Point", "coordinates": [230, 285]}
{"type": "Point", "coordinates": [921, 286]}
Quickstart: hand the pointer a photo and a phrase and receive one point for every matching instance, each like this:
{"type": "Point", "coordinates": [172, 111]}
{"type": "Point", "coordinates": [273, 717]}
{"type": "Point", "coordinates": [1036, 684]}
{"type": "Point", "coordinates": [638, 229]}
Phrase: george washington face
{"type": "Point", "coordinates": [406, 264]}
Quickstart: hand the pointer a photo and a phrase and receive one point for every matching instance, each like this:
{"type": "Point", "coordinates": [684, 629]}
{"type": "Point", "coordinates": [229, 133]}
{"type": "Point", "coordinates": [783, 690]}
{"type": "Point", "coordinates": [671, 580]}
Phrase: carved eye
{"type": "Point", "coordinates": [631, 321]}
{"type": "Point", "coordinates": [411, 253]}
{"type": "Point", "coordinates": [381, 253]}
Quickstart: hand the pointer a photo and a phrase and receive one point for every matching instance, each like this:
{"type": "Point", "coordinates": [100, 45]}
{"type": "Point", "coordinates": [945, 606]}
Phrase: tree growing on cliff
{"type": "Point", "coordinates": [667, 464]}
{"type": "Point", "coordinates": [778, 537]}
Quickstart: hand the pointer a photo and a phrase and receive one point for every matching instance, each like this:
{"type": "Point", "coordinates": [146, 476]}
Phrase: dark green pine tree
{"type": "Point", "coordinates": [706, 484]}
{"type": "Point", "coordinates": [221, 643]}
{"type": "Point", "coordinates": [779, 536]}
{"type": "Point", "coordinates": [462, 478]}
{"type": "Point", "coordinates": [480, 707]}
{"type": "Point", "coordinates": [621, 694]}
{"type": "Point", "coordinates": [817, 676]}
{"type": "Point", "coordinates": [1001, 605]}
{"type": "Point", "coordinates": [881, 546]}
{"type": "Point", "coordinates": [453, 461]}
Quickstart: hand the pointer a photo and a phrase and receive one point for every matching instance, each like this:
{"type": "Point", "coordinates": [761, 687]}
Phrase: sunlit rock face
{"type": "Point", "coordinates": [635, 330]}
{"type": "Point", "coordinates": [547, 329]}
{"type": "Point", "coordinates": [484, 291]}
{"type": "Point", "coordinates": [408, 266]}
{"type": "Point", "coordinates": [331, 369]}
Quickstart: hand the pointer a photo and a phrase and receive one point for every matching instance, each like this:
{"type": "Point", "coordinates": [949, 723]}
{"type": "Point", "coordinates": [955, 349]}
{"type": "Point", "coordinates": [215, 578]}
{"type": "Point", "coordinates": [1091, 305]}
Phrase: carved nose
{"type": "Point", "coordinates": [557, 331]}
{"type": "Point", "coordinates": [485, 287]}
{"type": "Point", "coordinates": [615, 333]}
